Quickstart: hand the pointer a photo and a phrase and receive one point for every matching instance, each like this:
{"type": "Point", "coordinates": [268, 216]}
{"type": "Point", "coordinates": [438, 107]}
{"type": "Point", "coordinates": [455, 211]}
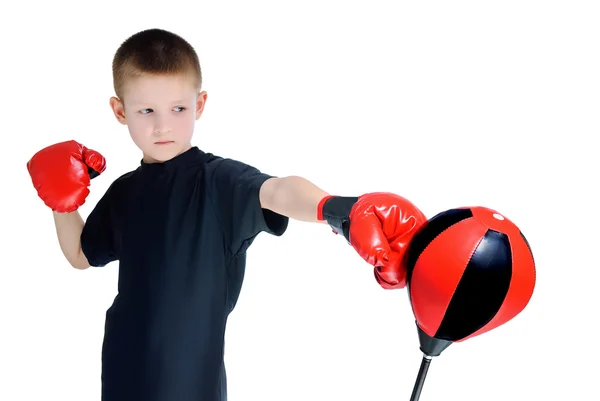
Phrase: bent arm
{"type": "Point", "coordinates": [68, 229]}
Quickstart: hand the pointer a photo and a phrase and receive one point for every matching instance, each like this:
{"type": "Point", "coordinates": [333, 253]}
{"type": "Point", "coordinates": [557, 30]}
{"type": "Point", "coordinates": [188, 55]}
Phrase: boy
{"type": "Point", "coordinates": [181, 223]}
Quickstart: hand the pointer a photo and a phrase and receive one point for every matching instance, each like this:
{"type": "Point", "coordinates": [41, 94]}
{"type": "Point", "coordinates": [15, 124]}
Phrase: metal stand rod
{"type": "Point", "coordinates": [416, 394]}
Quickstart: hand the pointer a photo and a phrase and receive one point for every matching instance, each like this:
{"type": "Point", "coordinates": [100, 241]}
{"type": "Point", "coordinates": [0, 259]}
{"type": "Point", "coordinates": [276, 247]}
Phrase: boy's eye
{"type": "Point", "coordinates": [148, 111]}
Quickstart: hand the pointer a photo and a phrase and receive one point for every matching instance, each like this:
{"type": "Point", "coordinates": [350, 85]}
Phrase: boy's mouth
{"type": "Point", "coordinates": [163, 142]}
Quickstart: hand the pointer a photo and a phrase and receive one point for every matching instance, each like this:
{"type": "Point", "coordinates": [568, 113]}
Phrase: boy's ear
{"type": "Point", "coordinates": [200, 102]}
{"type": "Point", "coordinates": [118, 109]}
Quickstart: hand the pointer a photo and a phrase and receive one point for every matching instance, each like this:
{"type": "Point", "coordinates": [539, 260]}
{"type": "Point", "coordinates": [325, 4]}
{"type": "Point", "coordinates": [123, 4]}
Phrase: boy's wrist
{"type": "Point", "coordinates": [335, 210]}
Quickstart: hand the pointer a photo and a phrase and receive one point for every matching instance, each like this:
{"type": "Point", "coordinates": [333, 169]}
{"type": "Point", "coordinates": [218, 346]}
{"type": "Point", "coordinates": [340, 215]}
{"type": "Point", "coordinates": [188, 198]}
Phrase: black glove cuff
{"type": "Point", "coordinates": [93, 173]}
{"type": "Point", "coordinates": [336, 211]}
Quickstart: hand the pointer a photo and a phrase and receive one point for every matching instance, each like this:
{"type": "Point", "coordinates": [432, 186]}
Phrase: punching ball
{"type": "Point", "coordinates": [469, 270]}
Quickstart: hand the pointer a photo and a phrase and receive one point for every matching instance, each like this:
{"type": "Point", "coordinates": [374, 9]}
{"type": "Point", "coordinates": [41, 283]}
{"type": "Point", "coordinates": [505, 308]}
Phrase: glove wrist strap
{"type": "Point", "coordinates": [336, 211]}
{"type": "Point", "coordinates": [92, 173]}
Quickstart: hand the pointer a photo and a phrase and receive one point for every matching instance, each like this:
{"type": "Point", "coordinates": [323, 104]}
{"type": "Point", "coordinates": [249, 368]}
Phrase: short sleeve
{"type": "Point", "coordinates": [234, 188]}
{"type": "Point", "coordinates": [97, 237]}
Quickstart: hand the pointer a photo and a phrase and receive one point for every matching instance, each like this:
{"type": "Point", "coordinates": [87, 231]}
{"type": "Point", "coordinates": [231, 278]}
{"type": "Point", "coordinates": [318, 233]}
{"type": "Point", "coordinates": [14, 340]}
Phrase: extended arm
{"type": "Point", "coordinates": [294, 197]}
{"type": "Point", "coordinates": [378, 225]}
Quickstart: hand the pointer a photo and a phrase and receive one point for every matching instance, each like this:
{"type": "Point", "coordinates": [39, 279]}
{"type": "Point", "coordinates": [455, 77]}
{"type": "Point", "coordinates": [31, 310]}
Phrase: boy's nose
{"type": "Point", "coordinates": [161, 127]}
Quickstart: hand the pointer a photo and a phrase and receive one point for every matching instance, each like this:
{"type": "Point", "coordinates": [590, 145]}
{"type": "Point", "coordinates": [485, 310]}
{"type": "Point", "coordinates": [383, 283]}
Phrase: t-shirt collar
{"type": "Point", "coordinates": [181, 160]}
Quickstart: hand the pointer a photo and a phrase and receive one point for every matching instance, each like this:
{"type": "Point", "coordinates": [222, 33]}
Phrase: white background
{"type": "Point", "coordinates": [446, 103]}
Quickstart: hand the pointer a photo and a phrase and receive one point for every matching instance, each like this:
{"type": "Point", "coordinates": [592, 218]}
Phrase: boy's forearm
{"type": "Point", "coordinates": [68, 229]}
{"type": "Point", "coordinates": [296, 197]}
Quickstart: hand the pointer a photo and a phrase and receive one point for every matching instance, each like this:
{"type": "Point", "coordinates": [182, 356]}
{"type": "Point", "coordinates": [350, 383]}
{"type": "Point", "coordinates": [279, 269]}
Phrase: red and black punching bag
{"type": "Point", "coordinates": [469, 270]}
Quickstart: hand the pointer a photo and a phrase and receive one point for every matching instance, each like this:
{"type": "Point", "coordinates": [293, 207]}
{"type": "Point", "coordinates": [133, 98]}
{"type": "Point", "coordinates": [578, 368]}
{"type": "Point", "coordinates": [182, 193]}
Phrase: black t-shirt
{"type": "Point", "coordinates": [180, 231]}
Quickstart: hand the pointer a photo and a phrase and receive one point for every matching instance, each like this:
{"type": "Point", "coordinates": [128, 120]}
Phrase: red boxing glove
{"type": "Point", "coordinates": [61, 174]}
{"type": "Point", "coordinates": [379, 226]}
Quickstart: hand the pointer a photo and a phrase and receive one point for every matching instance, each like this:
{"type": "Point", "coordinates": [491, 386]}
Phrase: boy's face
{"type": "Point", "coordinates": [160, 113]}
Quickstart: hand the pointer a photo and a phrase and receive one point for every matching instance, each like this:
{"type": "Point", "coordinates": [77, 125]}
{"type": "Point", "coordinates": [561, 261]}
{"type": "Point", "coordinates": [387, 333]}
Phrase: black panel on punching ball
{"type": "Point", "coordinates": [434, 227]}
{"type": "Point", "coordinates": [481, 290]}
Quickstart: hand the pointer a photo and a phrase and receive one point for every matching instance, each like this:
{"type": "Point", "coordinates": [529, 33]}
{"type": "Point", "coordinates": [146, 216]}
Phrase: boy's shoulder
{"type": "Point", "coordinates": [222, 164]}
{"type": "Point", "coordinates": [120, 185]}
{"type": "Point", "coordinates": [209, 165]}
{"type": "Point", "coordinates": [124, 179]}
